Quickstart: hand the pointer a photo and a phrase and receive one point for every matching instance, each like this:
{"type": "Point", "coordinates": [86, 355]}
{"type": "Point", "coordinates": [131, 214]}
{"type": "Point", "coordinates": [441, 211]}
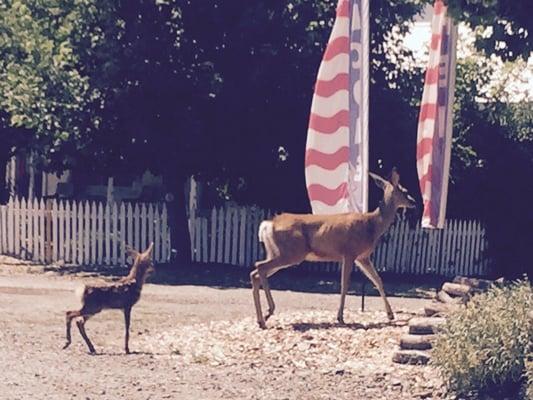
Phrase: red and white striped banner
{"type": "Point", "coordinates": [336, 159]}
{"type": "Point", "coordinates": [435, 120]}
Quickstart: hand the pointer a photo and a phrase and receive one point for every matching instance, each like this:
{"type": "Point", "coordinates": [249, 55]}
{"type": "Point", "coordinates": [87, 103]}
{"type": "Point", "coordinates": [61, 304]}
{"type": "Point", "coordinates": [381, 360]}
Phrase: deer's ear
{"type": "Point", "coordinates": [378, 180]}
{"type": "Point", "coordinates": [394, 177]}
{"type": "Point", "coordinates": [131, 252]}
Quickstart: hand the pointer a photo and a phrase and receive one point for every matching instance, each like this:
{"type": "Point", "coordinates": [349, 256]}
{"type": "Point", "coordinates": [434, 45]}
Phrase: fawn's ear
{"type": "Point", "coordinates": [148, 251]}
{"type": "Point", "coordinates": [378, 180]}
{"type": "Point", "coordinates": [131, 252]}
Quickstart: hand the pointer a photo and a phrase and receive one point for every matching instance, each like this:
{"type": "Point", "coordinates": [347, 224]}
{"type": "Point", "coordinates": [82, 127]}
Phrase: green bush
{"type": "Point", "coordinates": [482, 348]}
{"type": "Point", "coordinates": [529, 375]}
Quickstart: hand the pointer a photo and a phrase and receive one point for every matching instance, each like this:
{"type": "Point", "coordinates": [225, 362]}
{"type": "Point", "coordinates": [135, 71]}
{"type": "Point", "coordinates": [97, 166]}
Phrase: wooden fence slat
{"type": "Point", "coordinates": [477, 245]}
{"type": "Point", "coordinates": [220, 236]}
{"type": "Point", "coordinates": [157, 234]}
{"type": "Point", "coordinates": [86, 233]}
{"type": "Point", "coordinates": [467, 248]}
{"type": "Point", "coordinates": [42, 251]}
{"type": "Point", "coordinates": [68, 236]}
{"type": "Point", "coordinates": [115, 235]}
{"type": "Point", "coordinates": [10, 232]}
{"type": "Point", "coordinates": [80, 236]}
{"type": "Point", "coordinates": [54, 238]}
{"type": "Point", "coordinates": [150, 223]}
{"type": "Point", "coordinates": [248, 239]}
{"type": "Point", "coordinates": [23, 238]}
{"type": "Point", "coordinates": [204, 240]}
{"type": "Point", "coordinates": [165, 239]}
{"type": "Point", "coordinates": [129, 233]}
{"type": "Point", "coordinates": [16, 226]}
{"type": "Point", "coordinates": [255, 239]}
{"type": "Point", "coordinates": [227, 235]}
{"type": "Point", "coordinates": [122, 237]}
{"type": "Point", "coordinates": [3, 217]}
{"type": "Point", "coordinates": [61, 231]}
{"type": "Point", "coordinates": [213, 247]}
{"type": "Point", "coordinates": [143, 227]}
{"type": "Point", "coordinates": [107, 234]}
{"type": "Point", "coordinates": [242, 233]}
{"type": "Point", "coordinates": [100, 235]}
{"type": "Point", "coordinates": [235, 236]}
{"type": "Point", "coordinates": [197, 239]}
{"type": "Point", "coordinates": [94, 230]}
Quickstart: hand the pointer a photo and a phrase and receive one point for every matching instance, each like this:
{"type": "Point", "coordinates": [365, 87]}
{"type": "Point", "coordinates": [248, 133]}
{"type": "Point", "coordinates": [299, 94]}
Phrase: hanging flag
{"type": "Point", "coordinates": [435, 119]}
{"type": "Point", "coordinates": [336, 159]}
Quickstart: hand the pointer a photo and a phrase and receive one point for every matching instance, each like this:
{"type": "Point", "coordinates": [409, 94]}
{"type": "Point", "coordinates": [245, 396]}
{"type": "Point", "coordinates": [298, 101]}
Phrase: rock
{"type": "Point", "coordinates": [416, 342]}
{"type": "Point", "coordinates": [439, 309]}
{"type": "Point", "coordinates": [444, 297]}
{"type": "Point", "coordinates": [411, 357]}
{"type": "Point", "coordinates": [481, 284]}
{"type": "Point", "coordinates": [457, 289]}
{"type": "Point", "coordinates": [425, 325]}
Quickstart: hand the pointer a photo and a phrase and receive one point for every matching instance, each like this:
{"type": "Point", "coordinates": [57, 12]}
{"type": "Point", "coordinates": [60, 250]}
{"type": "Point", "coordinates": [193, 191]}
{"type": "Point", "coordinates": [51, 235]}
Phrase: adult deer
{"type": "Point", "coordinates": [119, 295]}
{"type": "Point", "coordinates": [290, 239]}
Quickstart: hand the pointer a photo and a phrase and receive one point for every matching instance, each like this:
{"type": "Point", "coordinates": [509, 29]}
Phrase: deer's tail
{"type": "Point", "coordinates": [266, 236]}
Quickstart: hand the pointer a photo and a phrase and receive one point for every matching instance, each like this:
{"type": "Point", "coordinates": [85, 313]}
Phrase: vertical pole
{"type": "Point", "coordinates": [365, 72]}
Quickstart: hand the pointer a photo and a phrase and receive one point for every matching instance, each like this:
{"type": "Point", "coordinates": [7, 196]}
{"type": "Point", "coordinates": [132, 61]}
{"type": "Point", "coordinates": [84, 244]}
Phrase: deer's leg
{"type": "Point", "coordinates": [367, 267]}
{"type": "Point", "coordinates": [70, 315]}
{"type": "Point", "coordinates": [259, 277]}
{"type": "Point", "coordinates": [346, 272]}
{"type": "Point", "coordinates": [81, 328]}
{"type": "Point", "coordinates": [254, 278]}
{"type": "Point", "coordinates": [127, 316]}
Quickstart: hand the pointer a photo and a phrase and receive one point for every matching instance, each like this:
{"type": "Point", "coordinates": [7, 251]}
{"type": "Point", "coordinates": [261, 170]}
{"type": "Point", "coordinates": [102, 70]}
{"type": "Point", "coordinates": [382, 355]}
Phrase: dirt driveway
{"type": "Point", "coordinates": [199, 342]}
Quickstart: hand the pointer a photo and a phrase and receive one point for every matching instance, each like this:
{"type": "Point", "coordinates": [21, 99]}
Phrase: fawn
{"type": "Point", "coordinates": [119, 295]}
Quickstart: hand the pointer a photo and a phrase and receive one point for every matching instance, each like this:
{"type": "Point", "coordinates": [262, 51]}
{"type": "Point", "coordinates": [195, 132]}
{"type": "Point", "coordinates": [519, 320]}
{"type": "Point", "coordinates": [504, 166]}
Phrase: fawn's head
{"type": "Point", "coordinates": [142, 261]}
{"type": "Point", "coordinates": [393, 192]}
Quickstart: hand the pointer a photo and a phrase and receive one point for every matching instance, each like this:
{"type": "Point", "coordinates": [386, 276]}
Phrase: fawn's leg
{"type": "Point", "coordinates": [81, 327]}
{"type": "Point", "coordinates": [70, 315]}
{"type": "Point", "coordinates": [127, 316]}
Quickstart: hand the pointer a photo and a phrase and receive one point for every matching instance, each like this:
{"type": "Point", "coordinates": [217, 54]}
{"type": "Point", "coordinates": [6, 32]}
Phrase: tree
{"type": "Point", "coordinates": [507, 25]}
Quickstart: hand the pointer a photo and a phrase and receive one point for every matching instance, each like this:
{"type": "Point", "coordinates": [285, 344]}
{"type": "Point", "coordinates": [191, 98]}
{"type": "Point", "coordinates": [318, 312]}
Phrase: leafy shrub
{"type": "Point", "coordinates": [482, 348]}
{"type": "Point", "coordinates": [529, 375]}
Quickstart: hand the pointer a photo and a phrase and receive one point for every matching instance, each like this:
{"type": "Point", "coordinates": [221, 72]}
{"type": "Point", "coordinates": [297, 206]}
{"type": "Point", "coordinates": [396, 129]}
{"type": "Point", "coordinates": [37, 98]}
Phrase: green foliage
{"type": "Point", "coordinates": [529, 374]}
{"type": "Point", "coordinates": [509, 22]}
{"type": "Point", "coordinates": [44, 85]}
{"type": "Point", "coordinates": [483, 347]}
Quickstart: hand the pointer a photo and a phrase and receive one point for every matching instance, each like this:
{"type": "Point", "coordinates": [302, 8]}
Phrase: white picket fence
{"type": "Point", "coordinates": [229, 235]}
{"type": "Point", "coordinates": [88, 233]}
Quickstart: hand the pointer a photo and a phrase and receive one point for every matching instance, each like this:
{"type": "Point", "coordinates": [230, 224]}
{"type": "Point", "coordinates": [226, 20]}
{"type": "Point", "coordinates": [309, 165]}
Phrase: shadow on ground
{"type": "Point", "coordinates": [302, 279]}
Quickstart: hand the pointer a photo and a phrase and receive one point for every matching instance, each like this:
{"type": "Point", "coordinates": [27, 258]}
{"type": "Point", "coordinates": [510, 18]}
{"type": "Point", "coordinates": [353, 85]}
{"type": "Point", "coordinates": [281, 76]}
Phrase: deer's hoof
{"type": "Point", "coordinates": [390, 316]}
{"type": "Point", "coordinates": [127, 351]}
{"type": "Point", "coordinates": [65, 346]}
{"type": "Point", "coordinates": [262, 324]}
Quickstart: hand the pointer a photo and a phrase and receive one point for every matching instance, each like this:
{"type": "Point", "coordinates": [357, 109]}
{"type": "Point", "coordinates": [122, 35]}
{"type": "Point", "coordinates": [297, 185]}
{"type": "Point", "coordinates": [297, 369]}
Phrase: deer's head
{"type": "Point", "coordinates": [393, 192]}
{"type": "Point", "coordinates": [142, 262]}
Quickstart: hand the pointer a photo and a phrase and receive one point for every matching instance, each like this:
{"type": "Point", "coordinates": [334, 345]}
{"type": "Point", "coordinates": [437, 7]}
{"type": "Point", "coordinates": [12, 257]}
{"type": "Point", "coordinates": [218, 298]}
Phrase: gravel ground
{"type": "Point", "coordinates": [200, 342]}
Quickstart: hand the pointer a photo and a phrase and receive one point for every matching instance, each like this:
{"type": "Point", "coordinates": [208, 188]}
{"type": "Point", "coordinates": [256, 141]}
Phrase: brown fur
{"type": "Point", "coordinates": [290, 239]}
{"type": "Point", "coordinates": [123, 295]}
